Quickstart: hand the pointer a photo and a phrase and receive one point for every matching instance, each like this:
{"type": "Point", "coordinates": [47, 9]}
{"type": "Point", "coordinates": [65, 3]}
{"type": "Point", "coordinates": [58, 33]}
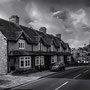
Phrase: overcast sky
{"type": "Point", "coordinates": [72, 20]}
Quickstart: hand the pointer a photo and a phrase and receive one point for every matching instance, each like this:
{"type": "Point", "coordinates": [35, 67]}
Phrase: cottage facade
{"type": "Point", "coordinates": [24, 48]}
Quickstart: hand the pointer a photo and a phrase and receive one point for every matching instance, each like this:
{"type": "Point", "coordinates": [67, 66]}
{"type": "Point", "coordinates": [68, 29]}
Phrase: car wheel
{"type": "Point", "coordinates": [63, 68]}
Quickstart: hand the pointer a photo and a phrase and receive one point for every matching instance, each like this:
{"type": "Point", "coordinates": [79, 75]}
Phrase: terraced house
{"type": "Point", "coordinates": [23, 48]}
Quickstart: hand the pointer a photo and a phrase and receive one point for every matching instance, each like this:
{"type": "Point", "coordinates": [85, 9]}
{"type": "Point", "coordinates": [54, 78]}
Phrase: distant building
{"type": "Point", "coordinates": [79, 55]}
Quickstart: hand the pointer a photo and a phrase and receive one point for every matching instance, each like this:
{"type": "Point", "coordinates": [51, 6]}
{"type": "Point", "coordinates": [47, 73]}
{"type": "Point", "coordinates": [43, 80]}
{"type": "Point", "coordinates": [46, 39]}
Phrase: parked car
{"type": "Point", "coordinates": [57, 66]}
{"type": "Point", "coordinates": [79, 62]}
{"type": "Point", "coordinates": [85, 62]}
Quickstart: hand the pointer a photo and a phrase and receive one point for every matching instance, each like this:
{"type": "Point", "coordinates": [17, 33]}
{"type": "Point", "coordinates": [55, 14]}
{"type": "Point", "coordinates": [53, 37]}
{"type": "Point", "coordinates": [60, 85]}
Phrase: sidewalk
{"type": "Point", "coordinates": [9, 81]}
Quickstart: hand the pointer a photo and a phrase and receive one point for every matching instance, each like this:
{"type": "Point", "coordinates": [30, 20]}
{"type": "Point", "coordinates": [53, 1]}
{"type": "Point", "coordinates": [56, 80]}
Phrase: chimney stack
{"type": "Point", "coordinates": [14, 19]}
{"type": "Point", "coordinates": [43, 29]}
{"type": "Point", "coordinates": [58, 36]}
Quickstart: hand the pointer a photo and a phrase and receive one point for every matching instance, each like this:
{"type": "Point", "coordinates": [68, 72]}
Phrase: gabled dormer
{"type": "Point", "coordinates": [21, 42]}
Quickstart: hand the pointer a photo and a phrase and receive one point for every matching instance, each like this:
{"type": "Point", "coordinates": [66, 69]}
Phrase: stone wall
{"type": "Point", "coordinates": [3, 54]}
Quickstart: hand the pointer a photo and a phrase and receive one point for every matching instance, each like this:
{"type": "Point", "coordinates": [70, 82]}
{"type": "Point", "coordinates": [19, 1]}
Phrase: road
{"type": "Point", "coordinates": [73, 79]}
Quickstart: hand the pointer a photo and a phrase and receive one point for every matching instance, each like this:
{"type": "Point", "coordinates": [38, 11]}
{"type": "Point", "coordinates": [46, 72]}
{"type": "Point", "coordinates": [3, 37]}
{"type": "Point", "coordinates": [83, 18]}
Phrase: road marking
{"type": "Point", "coordinates": [85, 71]}
{"type": "Point", "coordinates": [62, 85]}
{"type": "Point", "coordinates": [77, 76]}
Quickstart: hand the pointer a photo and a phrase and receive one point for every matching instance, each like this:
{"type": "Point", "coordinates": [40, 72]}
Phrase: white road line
{"type": "Point", "coordinates": [85, 71]}
{"type": "Point", "coordinates": [62, 85]}
{"type": "Point", "coordinates": [77, 76]}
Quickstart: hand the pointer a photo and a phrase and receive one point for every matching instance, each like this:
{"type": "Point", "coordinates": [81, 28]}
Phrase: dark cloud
{"type": "Point", "coordinates": [87, 4]}
{"type": "Point", "coordinates": [37, 13]}
{"type": "Point", "coordinates": [53, 9]}
{"type": "Point", "coordinates": [63, 15]}
{"type": "Point", "coordinates": [86, 28]}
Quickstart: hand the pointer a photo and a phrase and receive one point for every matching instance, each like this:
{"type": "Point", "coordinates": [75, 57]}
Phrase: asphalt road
{"type": "Point", "coordinates": [73, 79]}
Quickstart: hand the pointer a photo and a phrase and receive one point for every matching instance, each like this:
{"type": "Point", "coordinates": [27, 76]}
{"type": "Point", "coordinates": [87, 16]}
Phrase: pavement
{"type": "Point", "coordinates": [72, 79]}
{"type": "Point", "coordinates": [10, 81]}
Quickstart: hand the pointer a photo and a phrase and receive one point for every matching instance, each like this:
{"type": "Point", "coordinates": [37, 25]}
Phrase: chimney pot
{"type": "Point", "coordinates": [43, 29]}
{"type": "Point", "coordinates": [58, 36]}
{"type": "Point", "coordinates": [14, 19]}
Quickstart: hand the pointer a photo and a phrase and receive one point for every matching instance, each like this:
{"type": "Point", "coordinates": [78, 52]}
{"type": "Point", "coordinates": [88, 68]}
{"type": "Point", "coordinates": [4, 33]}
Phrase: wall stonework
{"type": "Point", "coordinates": [3, 54]}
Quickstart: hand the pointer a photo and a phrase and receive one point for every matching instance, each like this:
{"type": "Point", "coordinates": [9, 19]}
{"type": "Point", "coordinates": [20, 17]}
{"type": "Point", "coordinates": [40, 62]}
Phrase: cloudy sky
{"type": "Point", "coordinates": [71, 18]}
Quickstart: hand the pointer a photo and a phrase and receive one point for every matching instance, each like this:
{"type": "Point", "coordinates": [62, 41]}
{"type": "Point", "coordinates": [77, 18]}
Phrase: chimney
{"type": "Point", "coordinates": [43, 29]}
{"type": "Point", "coordinates": [14, 19]}
{"type": "Point", "coordinates": [58, 36]}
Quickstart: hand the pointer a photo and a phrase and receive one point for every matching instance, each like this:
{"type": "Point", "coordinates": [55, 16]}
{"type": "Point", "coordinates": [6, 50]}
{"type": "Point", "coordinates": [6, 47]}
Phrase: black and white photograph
{"type": "Point", "coordinates": [44, 44]}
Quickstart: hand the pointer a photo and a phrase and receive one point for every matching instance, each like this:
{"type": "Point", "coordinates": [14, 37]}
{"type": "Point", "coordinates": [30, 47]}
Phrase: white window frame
{"type": "Point", "coordinates": [25, 59]}
{"type": "Point", "coordinates": [53, 59]}
{"type": "Point", "coordinates": [40, 60]}
{"type": "Point", "coordinates": [21, 44]}
{"type": "Point", "coordinates": [61, 58]}
{"type": "Point", "coordinates": [37, 58]}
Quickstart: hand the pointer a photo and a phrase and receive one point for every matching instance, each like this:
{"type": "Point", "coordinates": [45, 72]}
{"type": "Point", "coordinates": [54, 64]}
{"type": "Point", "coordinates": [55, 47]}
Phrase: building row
{"type": "Point", "coordinates": [24, 48]}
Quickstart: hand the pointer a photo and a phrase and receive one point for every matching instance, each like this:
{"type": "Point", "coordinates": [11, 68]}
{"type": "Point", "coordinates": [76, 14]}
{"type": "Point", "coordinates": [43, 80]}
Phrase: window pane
{"type": "Point", "coordinates": [21, 58]}
{"type": "Point", "coordinates": [22, 63]}
{"type": "Point", "coordinates": [37, 62]}
{"type": "Point", "coordinates": [28, 57]}
{"type": "Point", "coordinates": [42, 62]}
{"type": "Point", "coordinates": [25, 57]}
{"type": "Point", "coordinates": [21, 44]}
{"type": "Point", "coordinates": [26, 63]}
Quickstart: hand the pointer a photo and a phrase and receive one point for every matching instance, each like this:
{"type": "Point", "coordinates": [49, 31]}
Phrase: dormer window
{"type": "Point", "coordinates": [21, 44]}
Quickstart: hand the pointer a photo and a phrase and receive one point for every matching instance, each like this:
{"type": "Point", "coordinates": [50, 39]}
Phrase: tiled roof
{"type": "Point", "coordinates": [8, 26]}
{"type": "Point", "coordinates": [12, 32]}
{"type": "Point", "coordinates": [31, 33]}
{"type": "Point", "coordinates": [63, 44]}
{"type": "Point", "coordinates": [68, 46]}
{"type": "Point", "coordinates": [49, 39]}
{"type": "Point", "coordinates": [9, 30]}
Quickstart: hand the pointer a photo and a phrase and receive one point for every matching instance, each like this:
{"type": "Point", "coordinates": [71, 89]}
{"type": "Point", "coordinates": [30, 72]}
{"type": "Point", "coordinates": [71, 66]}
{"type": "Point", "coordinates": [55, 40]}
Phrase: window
{"type": "Point", "coordinates": [42, 60]}
{"type": "Point", "coordinates": [21, 44]}
{"type": "Point", "coordinates": [39, 60]}
{"type": "Point", "coordinates": [61, 59]}
{"type": "Point", "coordinates": [22, 61]}
{"type": "Point", "coordinates": [25, 61]}
{"type": "Point", "coordinates": [53, 59]}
